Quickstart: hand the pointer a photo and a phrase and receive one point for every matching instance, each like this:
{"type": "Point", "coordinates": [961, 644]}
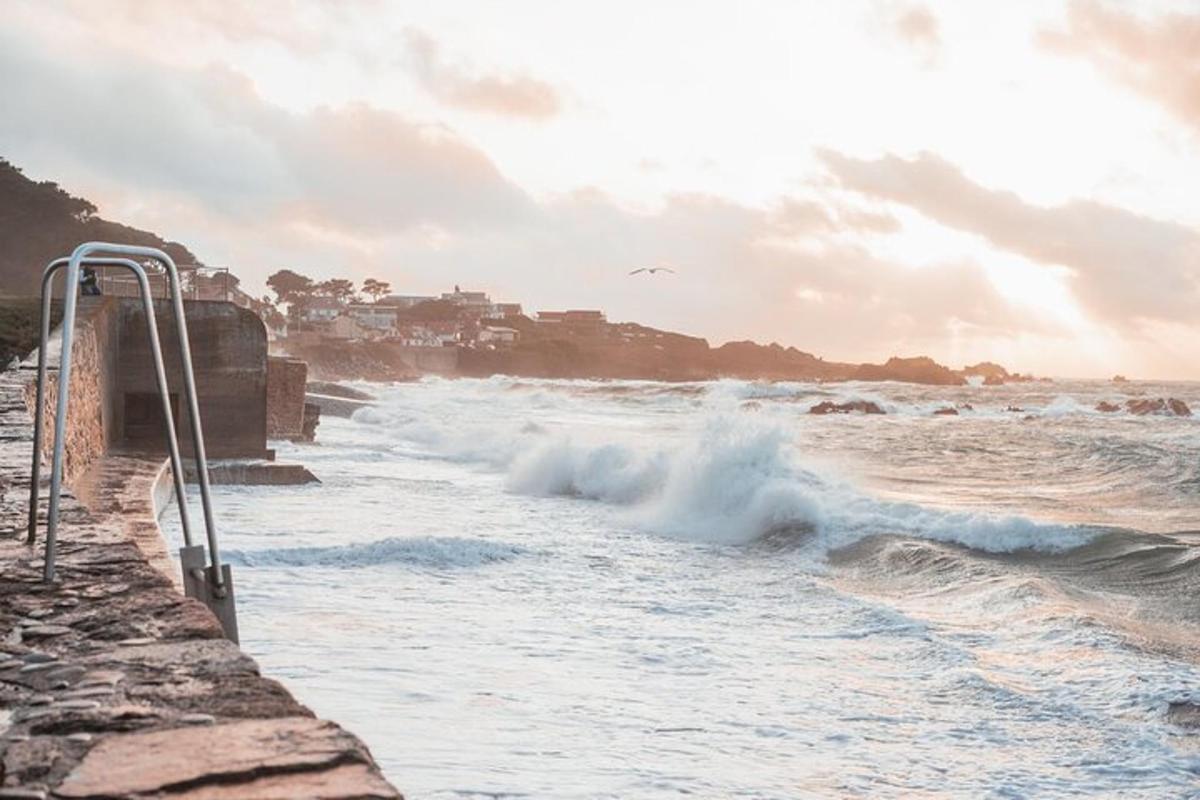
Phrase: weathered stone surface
{"type": "Point", "coordinates": [190, 758]}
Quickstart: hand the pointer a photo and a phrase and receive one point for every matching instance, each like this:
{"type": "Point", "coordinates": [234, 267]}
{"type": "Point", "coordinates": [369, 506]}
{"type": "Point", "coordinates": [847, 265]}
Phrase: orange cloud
{"type": "Point", "coordinates": [505, 95]}
{"type": "Point", "coordinates": [1128, 269]}
{"type": "Point", "coordinates": [1159, 58]}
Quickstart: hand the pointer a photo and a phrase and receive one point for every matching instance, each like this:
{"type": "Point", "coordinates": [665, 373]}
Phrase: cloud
{"type": "Point", "coordinates": [1159, 58]}
{"type": "Point", "coordinates": [1128, 269]}
{"type": "Point", "coordinates": [919, 28]}
{"type": "Point", "coordinates": [199, 156]}
{"type": "Point", "coordinates": [504, 95]}
{"type": "Point", "coordinates": [207, 134]}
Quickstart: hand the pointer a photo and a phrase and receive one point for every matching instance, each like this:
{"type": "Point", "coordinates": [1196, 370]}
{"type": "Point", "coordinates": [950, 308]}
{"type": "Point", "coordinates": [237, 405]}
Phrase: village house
{"type": "Point", "coordinates": [504, 310]}
{"type": "Point", "coordinates": [403, 301]}
{"type": "Point", "coordinates": [498, 336]}
{"type": "Point", "coordinates": [322, 309]}
{"type": "Point", "coordinates": [375, 317]}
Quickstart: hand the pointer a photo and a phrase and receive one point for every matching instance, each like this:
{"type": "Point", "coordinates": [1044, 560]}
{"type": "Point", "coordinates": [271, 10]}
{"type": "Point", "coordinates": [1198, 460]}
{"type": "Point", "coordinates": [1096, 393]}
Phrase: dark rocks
{"type": "Point", "coordinates": [1105, 407]}
{"type": "Point", "coordinates": [1015, 409]}
{"type": "Point", "coordinates": [1172, 406]}
{"type": "Point", "coordinates": [1184, 714]}
{"type": "Point", "coordinates": [946, 412]}
{"type": "Point", "coordinates": [859, 406]}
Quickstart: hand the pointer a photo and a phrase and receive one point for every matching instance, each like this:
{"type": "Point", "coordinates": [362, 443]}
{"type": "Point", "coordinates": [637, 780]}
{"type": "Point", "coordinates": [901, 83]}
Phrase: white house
{"type": "Point", "coordinates": [497, 335]}
{"type": "Point", "coordinates": [382, 318]}
{"type": "Point", "coordinates": [322, 309]}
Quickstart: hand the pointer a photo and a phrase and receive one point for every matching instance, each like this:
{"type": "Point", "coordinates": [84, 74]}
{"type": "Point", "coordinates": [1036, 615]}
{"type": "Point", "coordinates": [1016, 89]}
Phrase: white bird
{"type": "Point", "coordinates": [653, 270]}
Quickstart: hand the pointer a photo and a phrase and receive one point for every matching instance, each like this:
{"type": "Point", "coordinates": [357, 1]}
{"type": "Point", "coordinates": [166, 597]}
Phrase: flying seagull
{"type": "Point", "coordinates": [653, 270]}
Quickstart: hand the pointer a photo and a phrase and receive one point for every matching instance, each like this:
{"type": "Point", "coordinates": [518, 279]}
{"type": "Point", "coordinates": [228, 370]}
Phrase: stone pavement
{"type": "Point", "coordinates": [113, 684]}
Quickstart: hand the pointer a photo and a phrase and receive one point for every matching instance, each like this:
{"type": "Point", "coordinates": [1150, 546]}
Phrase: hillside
{"type": "Point", "coordinates": [39, 222]}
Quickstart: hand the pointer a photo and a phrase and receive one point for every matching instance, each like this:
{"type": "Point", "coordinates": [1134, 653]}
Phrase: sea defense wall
{"type": "Point", "coordinates": [286, 380]}
{"type": "Point", "coordinates": [229, 356]}
{"type": "Point", "coordinates": [112, 683]}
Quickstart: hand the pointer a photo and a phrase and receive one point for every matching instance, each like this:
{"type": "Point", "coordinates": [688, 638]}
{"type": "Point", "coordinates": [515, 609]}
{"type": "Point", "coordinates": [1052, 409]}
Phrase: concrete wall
{"type": "Point", "coordinates": [229, 356]}
{"type": "Point", "coordinates": [286, 381]}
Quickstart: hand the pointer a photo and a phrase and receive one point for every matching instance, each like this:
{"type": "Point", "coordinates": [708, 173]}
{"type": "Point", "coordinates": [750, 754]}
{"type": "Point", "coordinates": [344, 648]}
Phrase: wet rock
{"type": "Point", "coordinates": [946, 412]}
{"type": "Point", "coordinates": [93, 691]}
{"type": "Point", "coordinates": [1184, 714]}
{"type": "Point", "coordinates": [1015, 409]}
{"type": "Point", "coordinates": [75, 705]}
{"type": "Point", "coordinates": [859, 406]}
{"type": "Point", "coordinates": [45, 631]}
{"type": "Point", "coordinates": [38, 658]}
{"type": "Point", "coordinates": [1172, 406]}
{"type": "Point", "coordinates": [1106, 407]}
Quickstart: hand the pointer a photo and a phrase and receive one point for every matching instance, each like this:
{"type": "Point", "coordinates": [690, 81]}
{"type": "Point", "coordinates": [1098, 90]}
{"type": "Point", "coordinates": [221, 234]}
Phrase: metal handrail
{"type": "Point", "coordinates": [160, 375]}
{"type": "Point", "coordinates": [213, 584]}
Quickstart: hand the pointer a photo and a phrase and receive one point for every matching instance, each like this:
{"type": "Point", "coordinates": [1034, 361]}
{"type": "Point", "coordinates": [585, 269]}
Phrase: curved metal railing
{"type": "Point", "coordinates": [212, 584]}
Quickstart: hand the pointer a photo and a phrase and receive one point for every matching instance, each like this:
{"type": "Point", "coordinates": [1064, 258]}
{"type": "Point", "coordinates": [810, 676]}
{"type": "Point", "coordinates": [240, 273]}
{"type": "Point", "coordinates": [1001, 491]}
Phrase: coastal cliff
{"type": "Point", "coordinates": [113, 684]}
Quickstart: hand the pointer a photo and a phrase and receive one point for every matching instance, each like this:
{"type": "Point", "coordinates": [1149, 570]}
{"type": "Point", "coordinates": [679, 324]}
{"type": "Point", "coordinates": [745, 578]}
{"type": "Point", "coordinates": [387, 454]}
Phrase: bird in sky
{"type": "Point", "coordinates": [653, 270]}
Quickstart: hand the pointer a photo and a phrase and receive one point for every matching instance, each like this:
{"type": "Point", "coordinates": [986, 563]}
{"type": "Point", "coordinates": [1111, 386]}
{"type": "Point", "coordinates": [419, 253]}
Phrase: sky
{"type": "Point", "coordinates": [1011, 181]}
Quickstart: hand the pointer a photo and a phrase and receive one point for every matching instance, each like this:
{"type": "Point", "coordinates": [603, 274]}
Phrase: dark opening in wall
{"type": "Point", "coordinates": [144, 417]}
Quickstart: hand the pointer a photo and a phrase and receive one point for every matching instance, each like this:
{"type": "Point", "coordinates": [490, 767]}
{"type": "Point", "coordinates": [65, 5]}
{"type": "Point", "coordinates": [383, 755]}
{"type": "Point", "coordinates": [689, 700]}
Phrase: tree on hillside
{"type": "Point", "coordinates": [337, 288]}
{"type": "Point", "coordinates": [430, 311]}
{"type": "Point", "coordinates": [288, 286]}
{"type": "Point", "coordinates": [376, 289]}
{"type": "Point", "coordinates": [40, 222]}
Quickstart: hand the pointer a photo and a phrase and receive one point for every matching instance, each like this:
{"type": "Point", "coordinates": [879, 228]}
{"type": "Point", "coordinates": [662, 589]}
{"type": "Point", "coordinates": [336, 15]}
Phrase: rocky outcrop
{"type": "Point", "coordinates": [853, 406]}
{"type": "Point", "coordinates": [910, 370]}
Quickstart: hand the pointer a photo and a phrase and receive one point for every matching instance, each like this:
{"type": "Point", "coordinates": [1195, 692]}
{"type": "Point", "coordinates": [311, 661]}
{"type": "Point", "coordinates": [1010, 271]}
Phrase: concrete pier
{"type": "Point", "coordinates": [112, 683]}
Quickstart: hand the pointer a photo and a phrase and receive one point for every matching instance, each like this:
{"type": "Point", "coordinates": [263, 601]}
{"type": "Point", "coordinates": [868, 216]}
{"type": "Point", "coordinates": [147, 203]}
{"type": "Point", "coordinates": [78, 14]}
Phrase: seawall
{"type": "Point", "coordinates": [112, 683]}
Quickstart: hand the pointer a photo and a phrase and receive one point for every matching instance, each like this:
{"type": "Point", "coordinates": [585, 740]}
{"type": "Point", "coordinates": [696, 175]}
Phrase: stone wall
{"type": "Point", "coordinates": [92, 409]}
{"type": "Point", "coordinates": [286, 380]}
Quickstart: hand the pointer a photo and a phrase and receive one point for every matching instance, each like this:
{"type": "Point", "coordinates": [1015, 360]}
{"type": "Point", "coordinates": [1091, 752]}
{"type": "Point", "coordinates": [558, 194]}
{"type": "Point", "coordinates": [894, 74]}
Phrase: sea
{"type": "Point", "coordinates": [515, 588]}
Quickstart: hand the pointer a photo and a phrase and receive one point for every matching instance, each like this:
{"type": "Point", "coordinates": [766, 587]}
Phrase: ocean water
{"type": "Point", "coordinates": [574, 589]}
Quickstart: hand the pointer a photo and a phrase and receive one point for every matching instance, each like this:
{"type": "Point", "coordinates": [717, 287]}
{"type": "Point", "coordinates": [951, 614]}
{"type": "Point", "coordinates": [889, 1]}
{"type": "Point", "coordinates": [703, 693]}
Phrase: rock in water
{"type": "Point", "coordinates": [1158, 405]}
{"type": "Point", "coordinates": [1106, 407]}
{"type": "Point", "coordinates": [861, 406]}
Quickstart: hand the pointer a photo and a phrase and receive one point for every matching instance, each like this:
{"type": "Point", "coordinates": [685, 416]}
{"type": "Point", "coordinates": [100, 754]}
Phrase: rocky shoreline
{"type": "Point", "coordinates": [115, 685]}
